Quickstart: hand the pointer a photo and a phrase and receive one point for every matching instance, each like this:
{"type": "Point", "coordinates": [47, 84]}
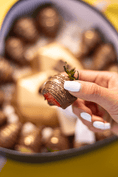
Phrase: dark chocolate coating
{"type": "Point", "coordinates": [1, 98]}
{"type": "Point", "coordinates": [25, 28]}
{"type": "Point", "coordinates": [90, 40]}
{"type": "Point", "coordinates": [57, 141]}
{"type": "Point", "coordinates": [9, 134]}
{"type": "Point", "coordinates": [31, 141]}
{"type": "Point", "coordinates": [6, 71]}
{"type": "Point", "coordinates": [48, 21]}
{"type": "Point", "coordinates": [15, 49]}
{"type": "Point", "coordinates": [104, 56]}
{"type": "Point", "coordinates": [3, 118]}
{"type": "Point", "coordinates": [55, 86]}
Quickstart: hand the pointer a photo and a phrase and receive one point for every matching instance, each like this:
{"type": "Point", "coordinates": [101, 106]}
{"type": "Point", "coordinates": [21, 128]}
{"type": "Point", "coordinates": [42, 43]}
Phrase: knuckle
{"type": "Point", "coordinates": [95, 90]}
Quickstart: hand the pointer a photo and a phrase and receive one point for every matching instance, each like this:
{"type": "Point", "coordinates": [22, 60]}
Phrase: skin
{"type": "Point", "coordinates": [97, 96]}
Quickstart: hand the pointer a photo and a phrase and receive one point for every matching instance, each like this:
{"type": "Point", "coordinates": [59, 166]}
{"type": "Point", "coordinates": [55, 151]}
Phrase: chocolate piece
{"type": "Point", "coordinates": [1, 98]}
{"type": "Point", "coordinates": [90, 40]}
{"type": "Point", "coordinates": [3, 118]}
{"type": "Point", "coordinates": [55, 93]}
{"type": "Point", "coordinates": [30, 141]}
{"type": "Point", "coordinates": [26, 29]}
{"type": "Point", "coordinates": [48, 21]}
{"type": "Point", "coordinates": [9, 134]}
{"type": "Point", "coordinates": [104, 56]}
{"type": "Point", "coordinates": [103, 135]}
{"type": "Point", "coordinates": [57, 141]}
{"type": "Point", "coordinates": [15, 49]}
{"type": "Point", "coordinates": [6, 71]}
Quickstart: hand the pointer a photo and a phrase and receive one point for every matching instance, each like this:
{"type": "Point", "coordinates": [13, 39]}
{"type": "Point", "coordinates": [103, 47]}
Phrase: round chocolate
{"type": "Point", "coordinates": [48, 21]}
{"type": "Point", "coordinates": [1, 98]}
{"type": "Point", "coordinates": [53, 90]}
{"type": "Point", "coordinates": [9, 134]}
{"type": "Point", "coordinates": [31, 141]}
{"type": "Point", "coordinates": [57, 141]}
{"type": "Point", "coordinates": [25, 27]}
{"type": "Point", "coordinates": [90, 40]}
{"type": "Point", "coordinates": [104, 56]}
{"type": "Point", "coordinates": [6, 71]}
{"type": "Point", "coordinates": [15, 49]}
{"type": "Point", "coordinates": [3, 118]}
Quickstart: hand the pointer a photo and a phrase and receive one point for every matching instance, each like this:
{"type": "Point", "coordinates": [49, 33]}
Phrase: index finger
{"type": "Point", "coordinates": [101, 78]}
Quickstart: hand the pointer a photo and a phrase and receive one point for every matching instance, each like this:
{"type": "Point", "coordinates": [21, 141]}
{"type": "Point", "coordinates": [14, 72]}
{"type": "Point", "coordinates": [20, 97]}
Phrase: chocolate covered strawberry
{"type": "Point", "coordinates": [54, 92]}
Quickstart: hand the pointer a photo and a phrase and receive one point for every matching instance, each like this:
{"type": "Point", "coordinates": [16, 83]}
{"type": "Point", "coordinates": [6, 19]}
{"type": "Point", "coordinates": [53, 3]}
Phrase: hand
{"type": "Point", "coordinates": [96, 89]}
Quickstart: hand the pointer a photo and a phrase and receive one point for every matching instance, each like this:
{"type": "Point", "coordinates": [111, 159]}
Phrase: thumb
{"type": "Point", "coordinates": [90, 92]}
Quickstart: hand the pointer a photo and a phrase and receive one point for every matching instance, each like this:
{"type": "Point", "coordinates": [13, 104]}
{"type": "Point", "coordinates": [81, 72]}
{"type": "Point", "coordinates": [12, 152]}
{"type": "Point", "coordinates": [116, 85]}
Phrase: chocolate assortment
{"type": "Point", "coordinates": [28, 124]}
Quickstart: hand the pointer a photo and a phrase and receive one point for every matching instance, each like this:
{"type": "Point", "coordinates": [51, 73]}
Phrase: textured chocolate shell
{"type": "Point", "coordinates": [48, 21]}
{"type": "Point", "coordinates": [104, 56]}
{"type": "Point", "coordinates": [3, 118]}
{"type": "Point", "coordinates": [6, 71]}
{"type": "Point", "coordinates": [1, 98]}
{"type": "Point", "coordinates": [9, 135]}
{"type": "Point", "coordinates": [53, 90]}
{"type": "Point", "coordinates": [15, 50]}
{"type": "Point", "coordinates": [25, 28]}
{"type": "Point", "coordinates": [31, 141]}
{"type": "Point", "coordinates": [57, 141]}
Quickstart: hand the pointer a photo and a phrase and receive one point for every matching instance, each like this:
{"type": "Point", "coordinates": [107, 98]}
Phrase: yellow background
{"type": "Point", "coordinates": [99, 163]}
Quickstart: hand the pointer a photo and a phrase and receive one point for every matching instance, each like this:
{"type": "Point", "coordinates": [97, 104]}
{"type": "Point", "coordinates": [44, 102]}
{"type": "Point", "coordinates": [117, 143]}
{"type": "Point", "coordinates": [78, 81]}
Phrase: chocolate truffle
{"type": "Point", "coordinates": [48, 21]}
{"type": "Point", "coordinates": [54, 92]}
{"type": "Point", "coordinates": [3, 118]}
{"type": "Point", "coordinates": [15, 49]}
{"type": "Point", "coordinates": [6, 71]}
{"type": "Point", "coordinates": [26, 29]}
{"type": "Point", "coordinates": [57, 141]}
{"type": "Point", "coordinates": [104, 56]}
{"type": "Point", "coordinates": [90, 40]}
{"type": "Point", "coordinates": [9, 135]}
{"type": "Point", "coordinates": [1, 98]}
{"type": "Point", "coordinates": [30, 142]}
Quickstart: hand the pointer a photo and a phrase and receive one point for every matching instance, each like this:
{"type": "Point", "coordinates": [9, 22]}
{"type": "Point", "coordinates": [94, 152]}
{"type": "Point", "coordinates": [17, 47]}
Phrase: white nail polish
{"type": "Point", "coordinates": [85, 116]}
{"type": "Point", "coordinates": [107, 126]}
{"type": "Point", "coordinates": [72, 86]}
{"type": "Point", "coordinates": [101, 125]}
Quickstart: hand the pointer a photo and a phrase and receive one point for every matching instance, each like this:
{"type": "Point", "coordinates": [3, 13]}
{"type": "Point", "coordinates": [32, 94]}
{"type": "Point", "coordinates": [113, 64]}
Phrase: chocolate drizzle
{"type": "Point", "coordinates": [55, 86]}
{"type": "Point", "coordinates": [9, 134]}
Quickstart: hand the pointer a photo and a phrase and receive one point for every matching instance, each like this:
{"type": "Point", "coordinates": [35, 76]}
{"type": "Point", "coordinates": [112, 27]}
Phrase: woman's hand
{"type": "Point", "coordinates": [96, 89]}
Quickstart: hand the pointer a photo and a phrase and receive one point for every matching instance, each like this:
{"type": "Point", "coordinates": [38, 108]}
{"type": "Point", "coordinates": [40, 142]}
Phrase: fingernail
{"type": "Point", "coordinates": [85, 116]}
{"type": "Point", "coordinates": [72, 86]}
{"type": "Point", "coordinates": [101, 125]}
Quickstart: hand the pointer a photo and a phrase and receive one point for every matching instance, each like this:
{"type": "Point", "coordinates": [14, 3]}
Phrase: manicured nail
{"type": "Point", "coordinates": [85, 116]}
{"type": "Point", "coordinates": [101, 125]}
{"type": "Point", "coordinates": [72, 86]}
